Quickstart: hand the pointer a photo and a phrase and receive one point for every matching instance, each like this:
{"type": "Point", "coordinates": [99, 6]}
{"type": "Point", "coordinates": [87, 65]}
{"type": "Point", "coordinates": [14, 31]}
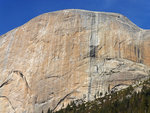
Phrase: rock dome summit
{"type": "Point", "coordinates": [62, 56]}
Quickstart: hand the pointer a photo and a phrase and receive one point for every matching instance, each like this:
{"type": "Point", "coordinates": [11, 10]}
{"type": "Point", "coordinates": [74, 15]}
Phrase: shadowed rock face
{"type": "Point", "coordinates": [66, 55]}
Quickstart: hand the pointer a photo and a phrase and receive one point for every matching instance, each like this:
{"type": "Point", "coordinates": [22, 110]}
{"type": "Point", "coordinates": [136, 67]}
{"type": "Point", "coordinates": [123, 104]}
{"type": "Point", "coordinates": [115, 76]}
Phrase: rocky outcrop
{"type": "Point", "coordinates": [67, 55]}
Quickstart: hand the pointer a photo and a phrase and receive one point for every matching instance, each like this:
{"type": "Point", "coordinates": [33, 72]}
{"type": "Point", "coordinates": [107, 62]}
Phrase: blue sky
{"type": "Point", "coordinates": [14, 13]}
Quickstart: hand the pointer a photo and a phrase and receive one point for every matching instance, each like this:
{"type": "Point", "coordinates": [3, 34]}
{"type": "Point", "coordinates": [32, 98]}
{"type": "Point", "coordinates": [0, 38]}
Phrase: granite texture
{"type": "Point", "coordinates": [67, 55]}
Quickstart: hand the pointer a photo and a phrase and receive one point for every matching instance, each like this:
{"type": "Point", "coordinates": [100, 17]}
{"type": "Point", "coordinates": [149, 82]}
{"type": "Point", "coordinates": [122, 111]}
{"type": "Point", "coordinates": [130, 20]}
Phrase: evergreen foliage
{"type": "Point", "coordinates": [124, 101]}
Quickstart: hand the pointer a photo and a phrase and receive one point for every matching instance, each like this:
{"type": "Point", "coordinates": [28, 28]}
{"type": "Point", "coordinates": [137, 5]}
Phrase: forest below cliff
{"type": "Point", "coordinates": [129, 100]}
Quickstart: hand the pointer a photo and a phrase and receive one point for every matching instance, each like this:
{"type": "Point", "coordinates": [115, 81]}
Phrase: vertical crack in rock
{"type": "Point", "coordinates": [119, 47]}
{"type": "Point", "coordinates": [139, 51]}
{"type": "Point", "coordinates": [93, 45]}
{"type": "Point", "coordinates": [9, 102]}
{"type": "Point", "coordinates": [92, 51]}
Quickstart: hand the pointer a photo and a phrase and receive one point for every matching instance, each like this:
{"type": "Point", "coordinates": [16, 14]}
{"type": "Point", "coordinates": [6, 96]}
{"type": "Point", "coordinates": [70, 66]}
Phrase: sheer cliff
{"type": "Point", "coordinates": [67, 55]}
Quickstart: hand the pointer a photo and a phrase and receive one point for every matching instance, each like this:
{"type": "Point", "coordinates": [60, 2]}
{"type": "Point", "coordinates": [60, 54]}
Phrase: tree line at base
{"type": "Point", "coordinates": [124, 101]}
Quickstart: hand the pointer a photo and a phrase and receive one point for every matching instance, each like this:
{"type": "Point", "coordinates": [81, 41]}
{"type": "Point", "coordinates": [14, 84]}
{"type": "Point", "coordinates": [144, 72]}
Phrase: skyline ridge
{"type": "Point", "coordinates": [101, 12]}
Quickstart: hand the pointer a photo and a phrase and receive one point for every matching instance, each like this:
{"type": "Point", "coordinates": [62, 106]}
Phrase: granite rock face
{"type": "Point", "coordinates": [67, 55]}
